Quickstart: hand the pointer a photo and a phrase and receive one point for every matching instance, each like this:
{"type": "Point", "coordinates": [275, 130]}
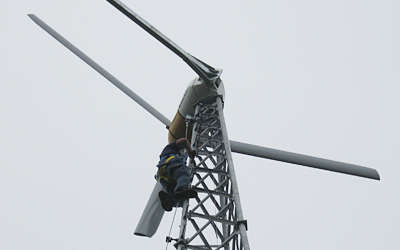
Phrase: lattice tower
{"type": "Point", "coordinates": [214, 220]}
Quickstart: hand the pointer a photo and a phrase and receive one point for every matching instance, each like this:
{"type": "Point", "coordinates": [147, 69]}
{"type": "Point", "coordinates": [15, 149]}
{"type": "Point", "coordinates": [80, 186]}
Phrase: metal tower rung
{"type": "Point", "coordinates": [213, 220]}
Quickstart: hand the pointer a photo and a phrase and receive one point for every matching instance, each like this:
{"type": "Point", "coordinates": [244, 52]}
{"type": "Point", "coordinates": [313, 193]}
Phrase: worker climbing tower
{"type": "Point", "coordinates": [214, 220]}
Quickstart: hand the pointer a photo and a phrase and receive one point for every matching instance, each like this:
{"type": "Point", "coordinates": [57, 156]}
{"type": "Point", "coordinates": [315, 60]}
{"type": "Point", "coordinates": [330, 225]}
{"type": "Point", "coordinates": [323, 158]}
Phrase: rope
{"type": "Point", "coordinates": [172, 134]}
{"type": "Point", "coordinates": [187, 125]}
{"type": "Point", "coordinates": [170, 229]}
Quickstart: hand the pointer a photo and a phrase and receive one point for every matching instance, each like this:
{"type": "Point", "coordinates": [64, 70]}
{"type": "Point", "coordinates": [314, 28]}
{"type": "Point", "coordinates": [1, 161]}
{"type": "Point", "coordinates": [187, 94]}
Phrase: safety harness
{"type": "Point", "coordinates": [162, 167]}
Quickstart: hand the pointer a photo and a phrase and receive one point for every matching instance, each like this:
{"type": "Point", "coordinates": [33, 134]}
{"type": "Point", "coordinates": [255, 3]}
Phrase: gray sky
{"type": "Point", "coordinates": [308, 77]}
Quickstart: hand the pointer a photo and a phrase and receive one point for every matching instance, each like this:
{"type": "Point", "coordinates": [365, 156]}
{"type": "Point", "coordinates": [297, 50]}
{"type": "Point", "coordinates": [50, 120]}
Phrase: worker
{"type": "Point", "coordinates": [174, 175]}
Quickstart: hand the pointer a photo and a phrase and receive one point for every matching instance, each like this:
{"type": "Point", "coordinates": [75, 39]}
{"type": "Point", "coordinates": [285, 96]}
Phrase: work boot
{"type": "Point", "coordinates": [166, 201]}
{"type": "Point", "coordinates": [185, 194]}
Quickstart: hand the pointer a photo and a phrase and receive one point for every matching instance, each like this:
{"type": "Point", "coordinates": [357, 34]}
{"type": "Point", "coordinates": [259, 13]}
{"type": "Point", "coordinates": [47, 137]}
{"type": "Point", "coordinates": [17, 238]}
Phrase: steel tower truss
{"type": "Point", "coordinates": [214, 220]}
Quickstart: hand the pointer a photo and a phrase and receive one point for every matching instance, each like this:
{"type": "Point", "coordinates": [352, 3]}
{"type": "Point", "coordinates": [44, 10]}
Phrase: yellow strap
{"type": "Point", "coordinates": [162, 173]}
{"type": "Point", "coordinates": [169, 158]}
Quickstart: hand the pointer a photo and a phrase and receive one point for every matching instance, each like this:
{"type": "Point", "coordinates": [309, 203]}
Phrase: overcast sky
{"type": "Point", "coordinates": [77, 156]}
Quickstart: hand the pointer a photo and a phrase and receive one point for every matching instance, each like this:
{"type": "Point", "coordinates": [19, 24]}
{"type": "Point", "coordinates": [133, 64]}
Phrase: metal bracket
{"type": "Point", "coordinates": [237, 224]}
{"type": "Point", "coordinates": [191, 119]}
{"type": "Point", "coordinates": [180, 242]}
{"type": "Point", "coordinates": [170, 239]}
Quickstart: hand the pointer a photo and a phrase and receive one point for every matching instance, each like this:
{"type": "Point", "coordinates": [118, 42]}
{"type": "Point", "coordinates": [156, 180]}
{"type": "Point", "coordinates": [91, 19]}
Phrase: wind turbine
{"type": "Point", "coordinates": [200, 118]}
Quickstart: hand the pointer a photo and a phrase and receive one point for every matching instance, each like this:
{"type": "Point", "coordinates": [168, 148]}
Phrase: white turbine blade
{"type": "Point", "coordinates": [304, 160]}
{"type": "Point", "coordinates": [205, 71]}
{"type": "Point", "coordinates": [152, 215]}
{"type": "Point", "coordinates": [101, 70]}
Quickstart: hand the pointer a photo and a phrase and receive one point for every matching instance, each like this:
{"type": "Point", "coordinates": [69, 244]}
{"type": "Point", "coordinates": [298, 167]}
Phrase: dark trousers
{"type": "Point", "coordinates": [181, 174]}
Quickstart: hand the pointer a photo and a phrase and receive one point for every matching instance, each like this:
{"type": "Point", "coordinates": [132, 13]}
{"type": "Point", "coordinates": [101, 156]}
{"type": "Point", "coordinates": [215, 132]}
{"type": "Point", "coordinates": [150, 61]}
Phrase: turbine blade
{"type": "Point", "coordinates": [152, 215]}
{"type": "Point", "coordinates": [205, 72]}
{"type": "Point", "coordinates": [304, 160]}
{"type": "Point", "coordinates": [101, 70]}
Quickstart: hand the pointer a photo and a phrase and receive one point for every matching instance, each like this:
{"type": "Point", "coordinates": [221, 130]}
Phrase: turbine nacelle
{"type": "Point", "coordinates": [197, 91]}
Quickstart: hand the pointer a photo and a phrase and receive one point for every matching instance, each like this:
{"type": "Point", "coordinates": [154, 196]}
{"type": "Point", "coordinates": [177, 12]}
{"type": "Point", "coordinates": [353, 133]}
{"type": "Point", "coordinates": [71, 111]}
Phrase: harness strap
{"type": "Point", "coordinates": [162, 169]}
{"type": "Point", "coordinates": [163, 175]}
